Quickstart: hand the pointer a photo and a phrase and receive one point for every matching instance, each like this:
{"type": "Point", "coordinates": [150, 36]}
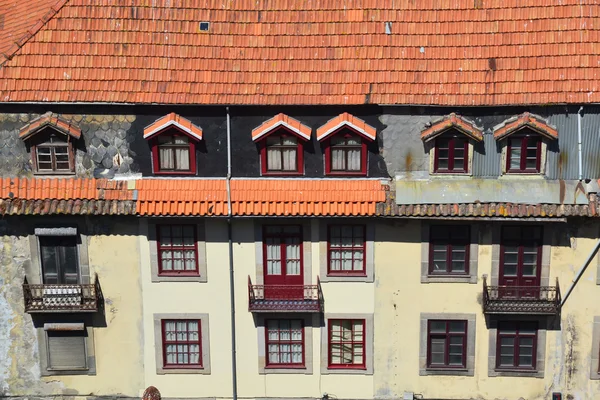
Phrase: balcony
{"type": "Point", "coordinates": [280, 298]}
{"type": "Point", "coordinates": [62, 298]}
{"type": "Point", "coordinates": [529, 300]}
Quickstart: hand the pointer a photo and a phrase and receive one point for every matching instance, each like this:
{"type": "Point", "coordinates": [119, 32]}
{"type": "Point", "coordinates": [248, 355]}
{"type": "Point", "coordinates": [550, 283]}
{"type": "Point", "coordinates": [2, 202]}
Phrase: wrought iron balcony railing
{"type": "Point", "coordinates": [533, 300]}
{"type": "Point", "coordinates": [285, 298]}
{"type": "Point", "coordinates": [62, 298]}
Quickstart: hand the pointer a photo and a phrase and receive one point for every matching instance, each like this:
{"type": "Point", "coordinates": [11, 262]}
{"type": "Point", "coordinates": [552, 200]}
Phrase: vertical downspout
{"type": "Point", "coordinates": [231, 274]}
{"type": "Point", "coordinates": [579, 142]}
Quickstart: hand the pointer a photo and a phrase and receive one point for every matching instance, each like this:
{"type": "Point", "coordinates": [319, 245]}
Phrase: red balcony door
{"type": "Point", "coordinates": [520, 261]}
{"type": "Point", "coordinates": [283, 266]}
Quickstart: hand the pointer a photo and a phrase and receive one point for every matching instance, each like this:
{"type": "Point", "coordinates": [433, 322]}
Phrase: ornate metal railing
{"type": "Point", "coordinates": [62, 298]}
{"type": "Point", "coordinates": [539, 300]}
{"type": "Point", "coordinates": [285, 298]}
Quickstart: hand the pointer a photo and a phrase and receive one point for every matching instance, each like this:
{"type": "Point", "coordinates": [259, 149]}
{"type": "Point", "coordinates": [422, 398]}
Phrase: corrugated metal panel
{"type": "Point", "coordinates": [486, 158]}
{"type": "Point", "coordinates": [561, 158]}
{"type": "Point", "coordinates": [590, 129]}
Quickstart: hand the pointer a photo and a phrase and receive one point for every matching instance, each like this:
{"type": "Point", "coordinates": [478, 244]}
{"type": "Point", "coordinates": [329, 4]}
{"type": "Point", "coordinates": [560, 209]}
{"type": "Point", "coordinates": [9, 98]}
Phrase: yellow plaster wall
{"type": "Point", "coordinates": [400, 298]}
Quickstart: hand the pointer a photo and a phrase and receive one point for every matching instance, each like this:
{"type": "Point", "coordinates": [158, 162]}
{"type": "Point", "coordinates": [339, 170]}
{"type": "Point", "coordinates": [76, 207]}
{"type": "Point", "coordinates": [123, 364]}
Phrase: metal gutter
{"type": "Point", "coordinates": [579, 160]}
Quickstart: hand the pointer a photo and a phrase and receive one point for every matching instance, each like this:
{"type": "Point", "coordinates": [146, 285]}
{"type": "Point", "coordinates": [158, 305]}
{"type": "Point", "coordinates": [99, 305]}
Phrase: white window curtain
{"type": "Point", "coordinates": [183, 159]}
{"type": "Point", "coordinates": [293, 257]}
{"type": "Point", "coordinates": [353, 160]}
{"type": "Point", "coordinates": [273, 257]}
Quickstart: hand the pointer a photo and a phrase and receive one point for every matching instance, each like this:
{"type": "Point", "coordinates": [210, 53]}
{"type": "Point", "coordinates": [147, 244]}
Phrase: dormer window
{"type": "Point", "coordinates": [450, 142]}
{"type": "Point", "coordinates": [345, 139]}
{"type": "Point", "coordinates": [50, 140]}
{"type": "Point", "coordinates": [524, 143]}
{"type": "Point", "coordinates": [173, 140]}
{"type": "Point", "coordinates": [281, 144]}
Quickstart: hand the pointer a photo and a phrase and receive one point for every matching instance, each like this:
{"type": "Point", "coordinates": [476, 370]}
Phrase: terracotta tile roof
{"type": "Point", "coordinates": [457, 53]}
{"type": "Point", "coordinates": [172, 120]}
{"type": "Point", "coordinates": [281, 120]}
{"type": "Point", "coordinates": [457, 122]}
{"type": "Point", "coordinates": [532, 121]}
{"type": "Point", "coordinates": [20, 19]}
{"type": "Point", "coordinates": [346, 120]}
{"type": "Point", "coordinates": [39, 196]}
{"type": "Point", "coordinates": [264, 197]}
{"type": "Point", "coordinates": [52, 120]}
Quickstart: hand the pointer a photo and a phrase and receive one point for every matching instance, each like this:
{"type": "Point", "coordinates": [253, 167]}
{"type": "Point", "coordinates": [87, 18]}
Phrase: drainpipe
{"type": "Point", "coordinates": [580, 272]}
{"type": "Point", "coordinates": [579, 141]}
{"type": "Point", "coordinates": [231, 274]}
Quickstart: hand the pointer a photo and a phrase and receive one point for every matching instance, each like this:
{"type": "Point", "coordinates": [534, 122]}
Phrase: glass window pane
{"type": "Point", "coordinates": [457, 326]}
{"type": "Point", "coordinates": [437, 326]}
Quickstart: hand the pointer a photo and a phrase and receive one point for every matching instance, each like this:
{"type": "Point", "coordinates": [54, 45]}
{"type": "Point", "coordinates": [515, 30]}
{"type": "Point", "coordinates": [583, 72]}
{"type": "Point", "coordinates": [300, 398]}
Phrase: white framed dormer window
{"type": "Point", "coordinates": [449, 142]}
{"type": "Point", "coordinates": [524, 141]}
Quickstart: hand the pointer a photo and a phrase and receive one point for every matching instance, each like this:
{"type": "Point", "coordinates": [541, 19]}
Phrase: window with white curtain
{"type": "Point", "coordinates": [173, 153]}
{"type": "Point", "coordinates": [282, 153]}
{"type": "Point", "coordinates": [182, 346]}
{"type": "Point", "coordinates": [347, 249]}
{"type": "Point", "coordinates": [346, 153]}
{"type": "Point", "coordinates": [177, 250]}
{"type": "Point", "coordinates": [282, 247]}
{"type": "Point", "coordinates": [285, 342]}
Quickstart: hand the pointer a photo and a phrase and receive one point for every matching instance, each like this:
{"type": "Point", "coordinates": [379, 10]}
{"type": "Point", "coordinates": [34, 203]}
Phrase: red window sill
{"type": "Point", "coordinates": [286, 366]}
{"type": "Point", "coordinates": [344, 367]}
{"type": "Point", "coordinates": [182, 366]}
{"type": "Point", "coordinates": [174, 172]}
{"type": "Point", "coordinates": [358, 274]}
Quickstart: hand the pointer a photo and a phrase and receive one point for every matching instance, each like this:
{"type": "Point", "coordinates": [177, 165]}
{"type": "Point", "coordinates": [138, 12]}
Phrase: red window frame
{"type": "Point", "coordinates": [354, 248]}
{"type": "Point", "coordinates": [517, 334]}
{"type": "Point", "coordinates": [183, 248]}
{"type": "Point", "coordinates": [525, 140]}
{"type": "Point", "coordinates": [299, 154]}
{"type": "Point", "coordinates": [363, 155]}
{"type": "Point", "coordinates": [177, 343]}
{"type": "Point", "coordinates": [452, 142]}
{"type": "Point", "coordinates": [436, 233]}
{"type": "Point", "coordinates": [447, 336]}
{"type": "Point", "coordinates": [528, 236]}
{"type": "Point", "coordinates": [351, 342]}
{"type": "Point", "coordinates": [156, 154]}
{"type": "Point", "coordinates": [279, 343]}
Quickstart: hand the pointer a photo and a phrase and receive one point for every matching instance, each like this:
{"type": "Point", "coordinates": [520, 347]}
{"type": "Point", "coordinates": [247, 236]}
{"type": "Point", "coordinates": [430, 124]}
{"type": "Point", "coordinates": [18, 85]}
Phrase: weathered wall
{"type": "Point", "coordinates": [113, 255]}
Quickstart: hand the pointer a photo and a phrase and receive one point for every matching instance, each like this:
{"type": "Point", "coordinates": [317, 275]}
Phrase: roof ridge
{"type": "Point", "coordinates": [31, 32]}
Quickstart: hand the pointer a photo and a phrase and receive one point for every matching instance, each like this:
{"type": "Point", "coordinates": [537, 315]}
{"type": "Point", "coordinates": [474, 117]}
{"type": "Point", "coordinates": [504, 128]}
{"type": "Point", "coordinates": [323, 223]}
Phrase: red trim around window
{"type": "Point", "coordinates": [352, 344]}
{"type": "Point", "coordinates": [450, 236]}
{"type": "Point", "coordinates": [283, 278]}
{"type": "Point", "coordinates": [164, 248]}
{"type": "Point", "coordinates": [361, 247]}
{"type": "Point", "coordinates": [363, 156]}
{"type": "Point", "coordinates": [282, 343]}
{"type": "Point", "coordinates": [447, 336]}
{"type": "Point", "coordinates": [526, 141]}
{"type": "Point", "coordinates": [156, 157]}
{"type": "Point", "coordinates": [453, 143]}
{"type": "Point", "coordinates": [299, 154]}
{"type": "Point", "coordinates": [181, 344]}
{"type": "Point", "coordinates": [520, 332]}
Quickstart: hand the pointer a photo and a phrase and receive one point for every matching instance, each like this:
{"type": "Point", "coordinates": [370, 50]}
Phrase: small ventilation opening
{"type": "Point", "coordinates": [204, 26]}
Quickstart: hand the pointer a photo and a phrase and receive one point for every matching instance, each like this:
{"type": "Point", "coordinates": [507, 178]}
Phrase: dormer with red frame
{"type": "Point", "coordinates": [525, 140]}
{"type": "Point", "coordinates": [173, 141]}
{"type": "Point", "coordinates": [451, 141]}
{"type": "Point", "coordinates": [281, 145]}
{"type": "Point", "coordinates": [345, 139]}
{"type": "Point", "coordinates": [50, 140]}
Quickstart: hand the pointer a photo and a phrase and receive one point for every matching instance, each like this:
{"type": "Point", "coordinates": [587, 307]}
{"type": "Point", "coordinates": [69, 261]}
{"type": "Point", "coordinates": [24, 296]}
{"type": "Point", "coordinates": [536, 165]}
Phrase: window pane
{"type": "Point", "coordinates": [274, 159]}
{"type": "Point", "coordinates": [338, 161]}
{"type": "Point", "coordinates": [354, 159]}
{"type": "Point", "coordinates": [289, 159]}
{"type": "Point", "coordinates": [183, 159]}
{"type": "Point", "coordinates": [438, 348]}
{"type": "Point", "coordinates": [437, 326]}
{"type": "Point", "coordinates": [457, 326]}
{"type": "Point", "coordinates": [167, 158]}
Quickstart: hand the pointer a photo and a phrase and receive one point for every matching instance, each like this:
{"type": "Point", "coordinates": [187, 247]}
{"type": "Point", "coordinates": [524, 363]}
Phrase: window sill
{"type": "Point", "coordinates": [448, 279]}
{"type": "Point", "coordinates": [447, 369]}
{"type": "Point", "coordinates": [270, 367]}
{"type": "Point", "coordinates": [282, 173]}
{"type": "Point", "coordinates": [179, 278]}
{"type": "Point", "coordinates": [353, 368]}
{"type": "Point", "coordinates": [282, 369]}
{"type": "Point", "coordinates": [171, 173]}
{"type": "Point", "coordinates": [51, 173]}
{"type": "Point", "coordinates": [346, 174]}
{"type": "Point", "coordinates": [182, 370]}
{"type": "Point", "coordinates": [347, 274]}
{"type": "Point", "coordinates": [517, 372]}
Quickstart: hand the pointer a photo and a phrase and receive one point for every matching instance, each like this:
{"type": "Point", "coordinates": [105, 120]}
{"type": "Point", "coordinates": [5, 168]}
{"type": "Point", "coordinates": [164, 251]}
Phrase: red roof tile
{"type": "Point", "coordinates": [454, 121]}
{"type": "Point", "coordinates": [172, 120]}
{"type": "Point", "coordinates": [349, 121]}
{"type": "Point", "coordinates": [457, 53]}
{"type": "Point", "coordinates": [264, 197]}
{"type": "Point", "coordinates": [281, 120]}
{"type": "Point", "coordinates": [51, 120]}
{"type": "Point", "coordinates": [525, 120]}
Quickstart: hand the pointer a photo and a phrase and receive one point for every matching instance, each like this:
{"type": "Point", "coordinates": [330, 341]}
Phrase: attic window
{"type": "Point", "coordinates": [204, 26]}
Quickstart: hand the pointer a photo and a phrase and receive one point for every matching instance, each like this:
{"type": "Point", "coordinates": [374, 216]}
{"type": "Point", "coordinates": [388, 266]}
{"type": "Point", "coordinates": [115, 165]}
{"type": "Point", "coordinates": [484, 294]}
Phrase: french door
{"type": "Point", "coordinates": [59, 259]}
{"type": "Point", "coordinates": [520, 261]}
{"type": "Point", "coordinates": [283, 266]}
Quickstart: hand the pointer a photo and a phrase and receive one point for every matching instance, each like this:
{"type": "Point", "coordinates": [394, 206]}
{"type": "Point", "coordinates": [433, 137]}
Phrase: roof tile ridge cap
{"type": "Point", "coordinates": [31, 32]}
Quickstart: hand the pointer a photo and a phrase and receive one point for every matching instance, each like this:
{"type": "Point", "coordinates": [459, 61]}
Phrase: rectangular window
{"type": "Point", "coordinates": [59, 258]}
{"type": "Point", "coordinates": [446, 344]}
{"type": "Point", "coordinates": [524, 154]}
{"type": "Point", "coordinates": [346, 343]}
{"type": "Point", "coordinates": [346, 249]}
{"type": "Point", "coordinates": [283, 248]}
{"type": "Point", "coordinates": [173, 153]}
{"type": "Point", "coordinates": [516, 345]}
{"type": "Point", "coordinates": [282, 153]}
{"type": "Point", "coordinates": [285, 343]}
{"type": "Point", "coordinates": [346, 154]}
{"type": "Point", "coordinates": [54, 155]}
{"type": "Point", "coordinates": [177, 250]}
{"type": "Point", "coordinates": [520, 256]}
{"type": "Point", "coordinates": [449, 250]}
{"type": "Point", "coordinates": [66, 350]}
{"type": "Point", "coordinates": [182, 343]}
{"type": "Point", "coordinates": [451, 155]}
